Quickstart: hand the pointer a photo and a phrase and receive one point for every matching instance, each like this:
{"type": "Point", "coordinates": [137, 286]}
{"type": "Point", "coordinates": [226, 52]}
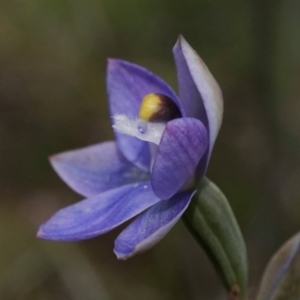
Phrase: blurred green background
{"type": "Point", "coordinates": [52, 98]}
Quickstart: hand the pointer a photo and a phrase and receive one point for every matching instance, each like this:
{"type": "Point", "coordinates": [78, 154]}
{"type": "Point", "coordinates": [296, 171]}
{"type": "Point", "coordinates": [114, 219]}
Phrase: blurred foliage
{"type": "Point", "coordinates": [281, 279]}
{"type": "Point", "coordinates": [52, 98]}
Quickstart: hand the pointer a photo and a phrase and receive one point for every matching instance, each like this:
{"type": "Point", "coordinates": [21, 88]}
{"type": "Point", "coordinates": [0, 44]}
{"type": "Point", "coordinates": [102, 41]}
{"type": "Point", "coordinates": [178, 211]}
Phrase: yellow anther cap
{"type": "Point", "coordinates": [158, 108]}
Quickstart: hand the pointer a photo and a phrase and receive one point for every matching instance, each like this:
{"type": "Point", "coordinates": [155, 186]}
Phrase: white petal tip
{"type": "Point", "coordinates": [123, 256]}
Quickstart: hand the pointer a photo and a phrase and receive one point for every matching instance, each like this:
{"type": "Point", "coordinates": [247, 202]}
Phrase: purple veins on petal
{"type": "Point", "coordinates": [127, 85]}
{"type": "Point", "coordinates": [150, 227]}
{"type": "Point", "coordinates": [182, 145]}
{"type": "Point", "coordinates": [98, 214]}
{"type": "Point", "coordinates": [96, 169]}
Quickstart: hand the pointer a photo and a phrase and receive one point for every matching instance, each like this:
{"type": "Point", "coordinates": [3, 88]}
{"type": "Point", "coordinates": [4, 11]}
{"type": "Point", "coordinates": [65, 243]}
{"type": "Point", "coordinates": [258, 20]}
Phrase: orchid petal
{"type": "Point", "coordinates": [98, 214]}
{"type": "Point", "coordinates": [150, 227]}
{"type": "Point", "coordinates": [199, 93]}
{"type": "Point", "coordinates": [182, 145]}
{"type": "Point", "coordinates": [93, 170]}
{"type": "Point", "coordinates": [127, 85]}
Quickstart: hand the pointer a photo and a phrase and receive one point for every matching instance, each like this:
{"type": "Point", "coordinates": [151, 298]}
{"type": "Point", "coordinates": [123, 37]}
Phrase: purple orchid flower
{"type": "Point", "coordinates": [163, 144]}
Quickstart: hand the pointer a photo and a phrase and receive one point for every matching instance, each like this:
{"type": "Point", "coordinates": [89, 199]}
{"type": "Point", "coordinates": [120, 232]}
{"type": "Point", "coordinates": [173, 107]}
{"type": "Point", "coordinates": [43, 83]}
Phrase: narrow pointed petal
{"type": "Point", "coordinates": [99, 214]}
{"type": "Point", "coordinates": [182, 145]}
{"type": "Point", "coordinates": [199, 93]}
{"type": "Point", "coordinates": [127, 85]}
{"type": "Point", "coordinates": [93, 170]}
{"type": "Point", "coordinates": [150, 227]}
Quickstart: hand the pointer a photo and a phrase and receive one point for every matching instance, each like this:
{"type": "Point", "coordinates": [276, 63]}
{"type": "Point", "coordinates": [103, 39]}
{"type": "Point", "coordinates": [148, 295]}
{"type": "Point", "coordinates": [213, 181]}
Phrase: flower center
{"type": "Point", "coordinates": [155, 111]}
{"type": "Point", "coordinates": [158, 108]}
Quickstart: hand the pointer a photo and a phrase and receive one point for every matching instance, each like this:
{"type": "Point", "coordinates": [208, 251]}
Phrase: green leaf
{"type": "Point", "coordinates": [281, 279]}
{"type": "Point", "coordinates": [212, 222]}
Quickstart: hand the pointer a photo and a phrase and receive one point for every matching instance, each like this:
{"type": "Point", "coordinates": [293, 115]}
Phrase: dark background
{"type": "Point", "coordinates": [52, 98]}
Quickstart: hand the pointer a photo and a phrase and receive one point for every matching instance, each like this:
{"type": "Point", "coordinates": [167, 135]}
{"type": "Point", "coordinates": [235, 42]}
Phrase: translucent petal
{"type": "Point", "coordinates": [143, 130]}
